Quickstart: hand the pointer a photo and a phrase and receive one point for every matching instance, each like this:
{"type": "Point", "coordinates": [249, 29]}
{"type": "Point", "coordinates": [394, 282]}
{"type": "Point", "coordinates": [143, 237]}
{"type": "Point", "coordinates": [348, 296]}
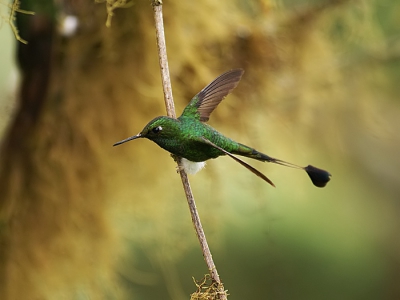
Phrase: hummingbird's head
{"type": "Point", "coordinates": [160, 128]}
{"type": "Point", "coordinates": [157, 130]}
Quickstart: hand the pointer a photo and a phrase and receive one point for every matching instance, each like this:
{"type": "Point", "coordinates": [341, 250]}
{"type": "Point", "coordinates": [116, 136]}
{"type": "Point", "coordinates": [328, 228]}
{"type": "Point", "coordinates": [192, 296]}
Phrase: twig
{"type": "Point", "coordinates": [162, 54]}
{"type": "Point", "coordinates": [112, 5]}
{"type": "Point", "coordinates": [14, 8]}
{"type": "Point", "coordinates": [169, 104]}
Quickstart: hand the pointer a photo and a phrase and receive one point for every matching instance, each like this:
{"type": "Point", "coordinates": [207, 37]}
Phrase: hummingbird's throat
{"type": "Point", "coordinates": [192, 167]}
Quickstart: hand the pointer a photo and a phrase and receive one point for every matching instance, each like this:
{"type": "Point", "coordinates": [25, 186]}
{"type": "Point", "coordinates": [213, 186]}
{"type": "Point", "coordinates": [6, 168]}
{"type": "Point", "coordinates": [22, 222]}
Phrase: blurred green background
{"type": "Point", "coordinates": [321, 87]}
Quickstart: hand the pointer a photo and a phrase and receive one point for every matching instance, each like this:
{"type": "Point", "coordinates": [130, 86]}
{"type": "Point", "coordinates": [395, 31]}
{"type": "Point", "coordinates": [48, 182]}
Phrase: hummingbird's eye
{"type": "Point", "coordinates": [156, 129]}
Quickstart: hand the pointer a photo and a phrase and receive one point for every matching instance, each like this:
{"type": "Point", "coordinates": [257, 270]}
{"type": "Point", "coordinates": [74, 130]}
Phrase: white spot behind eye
{"type": "Point", "coordinates": [157, 129]}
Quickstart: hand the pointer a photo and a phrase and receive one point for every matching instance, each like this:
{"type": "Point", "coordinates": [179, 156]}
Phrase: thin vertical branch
{"type": "Point", "coordinates": [169, 104]}
{"type": "Point", "coordinates": [162, 55]}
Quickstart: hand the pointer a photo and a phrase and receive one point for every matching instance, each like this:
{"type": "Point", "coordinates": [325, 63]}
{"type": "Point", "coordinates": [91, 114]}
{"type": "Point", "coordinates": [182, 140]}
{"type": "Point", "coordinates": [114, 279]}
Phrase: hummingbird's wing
{"type": "Point", "coordinates": [246, 165]}
{"type": "Point", "coordinates": [203, 104]}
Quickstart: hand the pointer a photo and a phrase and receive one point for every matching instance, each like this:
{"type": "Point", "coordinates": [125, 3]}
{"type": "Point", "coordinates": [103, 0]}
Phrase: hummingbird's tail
{"type": "Point", "coordinates": [319, 177]}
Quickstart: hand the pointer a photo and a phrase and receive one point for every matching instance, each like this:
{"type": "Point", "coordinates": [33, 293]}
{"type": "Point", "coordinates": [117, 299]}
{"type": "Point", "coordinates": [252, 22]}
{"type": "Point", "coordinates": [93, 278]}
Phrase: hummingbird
{"type": "Point", "coordinates": [190, 138]}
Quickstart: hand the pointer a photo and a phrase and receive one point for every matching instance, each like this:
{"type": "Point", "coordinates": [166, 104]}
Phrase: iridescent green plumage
{"type": "Point", "coordinates": [189, 137]}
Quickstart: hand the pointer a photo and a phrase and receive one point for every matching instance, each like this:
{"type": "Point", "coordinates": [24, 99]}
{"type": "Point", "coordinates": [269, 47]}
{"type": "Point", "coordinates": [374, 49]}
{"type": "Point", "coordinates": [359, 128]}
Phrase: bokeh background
{"type": "Point", "coordinates": [80, 219]}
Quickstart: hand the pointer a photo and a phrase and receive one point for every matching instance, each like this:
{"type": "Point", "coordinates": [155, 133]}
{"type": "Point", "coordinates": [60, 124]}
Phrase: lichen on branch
{"type": "Point", "coordinates": [111, 5]}
{"type": "Point", "coordinates": [10, 18]}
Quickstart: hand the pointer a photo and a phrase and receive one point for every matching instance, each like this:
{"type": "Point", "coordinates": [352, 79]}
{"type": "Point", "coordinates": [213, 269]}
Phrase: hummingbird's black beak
{"type": "Point", "coordinates": [128, 139]}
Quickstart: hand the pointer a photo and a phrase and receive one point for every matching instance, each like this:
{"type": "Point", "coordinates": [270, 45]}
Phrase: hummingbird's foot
{"type": "Point", "coordinates": [176, 159]}
{"type": "Point", "coordinates": [188, 166]}
{"type": "Point", "coordinates": [179, 168]}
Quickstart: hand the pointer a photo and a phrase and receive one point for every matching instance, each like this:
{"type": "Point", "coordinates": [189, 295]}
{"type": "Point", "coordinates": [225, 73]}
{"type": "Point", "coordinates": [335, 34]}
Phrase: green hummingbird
{"type": "Point", "coordinates": [190, 138]}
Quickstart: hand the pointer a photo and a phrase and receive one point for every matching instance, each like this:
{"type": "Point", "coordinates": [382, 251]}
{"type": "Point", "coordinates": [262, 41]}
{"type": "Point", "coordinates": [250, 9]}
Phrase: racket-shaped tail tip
{"type": "Point", "coordinates": [318, 177]}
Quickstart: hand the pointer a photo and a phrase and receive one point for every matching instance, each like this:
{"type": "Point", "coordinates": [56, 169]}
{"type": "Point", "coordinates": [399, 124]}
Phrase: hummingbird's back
{"type": "Point", "coordinates": [193, 147]}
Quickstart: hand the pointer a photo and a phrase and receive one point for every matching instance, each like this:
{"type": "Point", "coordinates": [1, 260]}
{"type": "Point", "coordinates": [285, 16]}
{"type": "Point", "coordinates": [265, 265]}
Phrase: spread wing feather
{"type": "Point", "coordinates": [204, 103]}
{"type": "Point", "coordinates": [216, 91]}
